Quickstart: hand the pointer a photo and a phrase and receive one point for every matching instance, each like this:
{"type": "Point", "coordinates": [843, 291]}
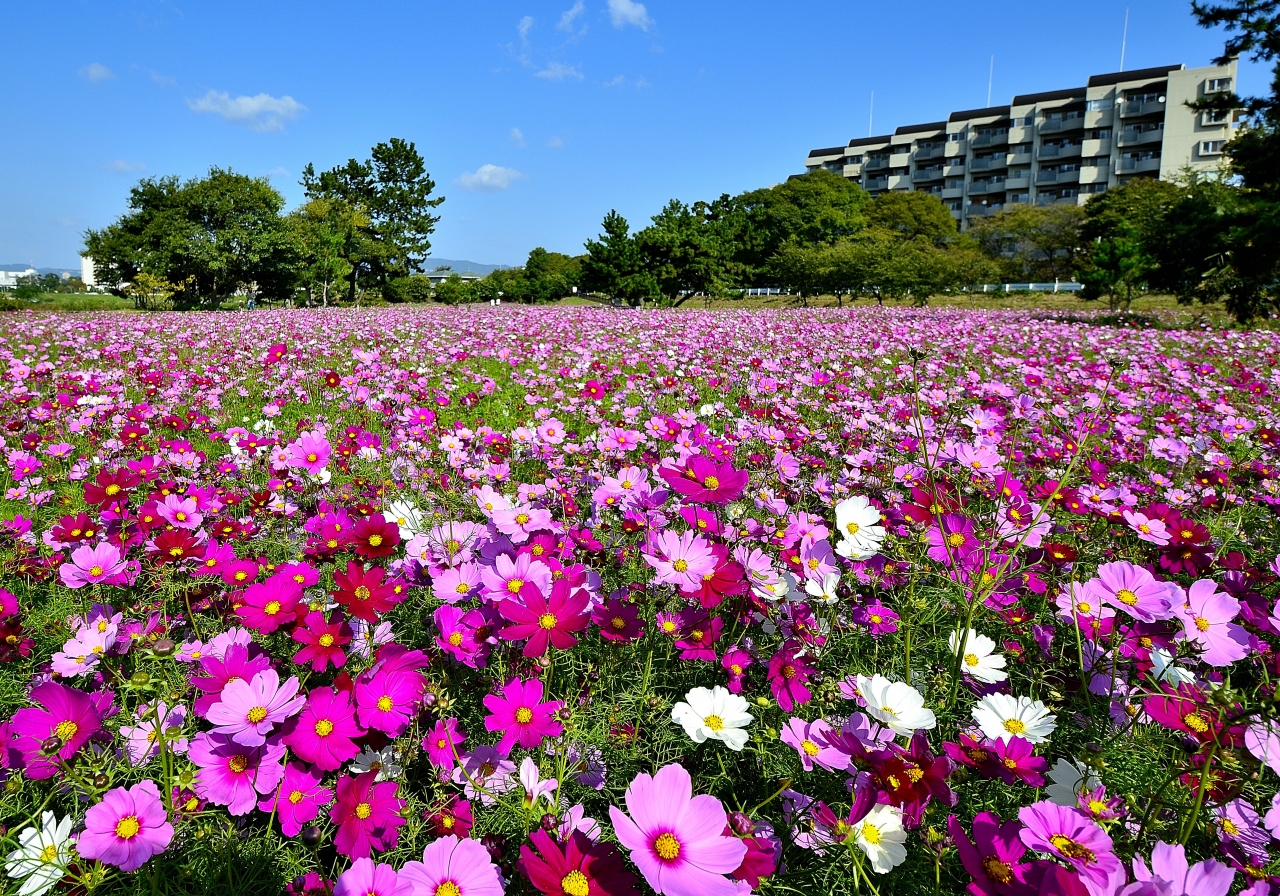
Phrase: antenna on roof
{"type": "Point", "coordinates": [1125, 38]}
{"type": "Point", "coordinates": [991, 77]}
{"type": "Point", "coordinates": [871, 116]}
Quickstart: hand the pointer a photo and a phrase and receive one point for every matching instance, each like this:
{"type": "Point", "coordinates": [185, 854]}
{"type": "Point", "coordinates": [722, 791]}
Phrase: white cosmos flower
{"type": "Point", "coordinates": [1167, 670]}
{"type": "Point", "coordinates": [824, 591]}
{"type": "Point", "coordinates": [715, 714]}
{"type": "Point", "coordinates": [1003, 717]}
{"type": "Point", "coordinates": [1069, 778]}
{"type": "Point", "coordinates": [405, 515]}
{"type": "Point", "coordinates": [42, 855]}
{"type": "Point", "coordinates": [384, 763]}
{"type": "Point", "coordinates": [979, 659]}
{"type": "Point", "coordinates": [896, 704]}
{"type": "Point", "coordinates": [784, 588]}
{"type": "Point", "coordinates": [858, 523]}
{"type": "Point", "coordinates": [881, 837]}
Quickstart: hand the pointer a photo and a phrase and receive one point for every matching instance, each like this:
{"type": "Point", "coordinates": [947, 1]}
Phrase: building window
{"type": "Point", "coordinates": [1212, 147]}
{"type": "Point", "coordinates": [955, 206]}
{"type": "Point", "coordinates": [1217, 85]}
{"type": "Point", "coordinates": [1098, 105]}
{"type": "Point", "coordinates": [1214, 116]}
{"type": "Point", "coordinates": [955, 138]}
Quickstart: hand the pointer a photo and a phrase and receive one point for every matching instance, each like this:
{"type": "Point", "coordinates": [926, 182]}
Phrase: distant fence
{"type": "Point", "coordinates": [1056, 286]}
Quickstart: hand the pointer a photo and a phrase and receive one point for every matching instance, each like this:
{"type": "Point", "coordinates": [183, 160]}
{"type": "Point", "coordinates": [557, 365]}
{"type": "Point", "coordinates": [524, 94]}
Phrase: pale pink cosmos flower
{"type": "Point", "coordinates": [180, 513]}
{"type": "Point", "coordinates": [92, 565]}
{"type": "Point", "coordinates": [1208, 619]}
{"type": "Point", "coordinates": [248, 710]}
{"type": "Point", "coordinates": [680, 559]}
{"type": "Point", "coordinates": [1133, 590]}
{"type": "Point", "coordinates": [1148, 529]}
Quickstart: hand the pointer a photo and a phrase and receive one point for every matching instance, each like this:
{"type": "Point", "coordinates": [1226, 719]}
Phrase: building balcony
{"type": "Point", "coordinates": [931, 152]}
{"type": "Point", "coordinates": [981, 188]}
{"type": "Point", "coordinates": [932, 173]}
{"type": "Point", "coordinates": [899, 182]}
{"type": "Point", "coordinates": [1099, 118]}
{"type": "Point", "coordinates": [1137, 166]}
{"type": "Point", "coordinates": [1056, 151]}
{"type": "Point", "coordinates": [901, 157]}
{"type": "Point", "coordinates": [876, 163]}
{"type": "Point", "coordinates": [1018, 158]}
{"type": "Point", "coordinates": [990, 139]}
{"type": "Point", "coordinates": [1061, 125]}
{"type": "Point", "coordinates": [952, 192]}
{"type": "Point", "coordinates": [875, 183]}
{"type": "Point", "coordinates": [1019, 134]}
{"type": "Point", "coordinates": [983, 211]}
{"type": "Point", "coordinates": [1057, 177]}
{"type": "Point", "coordinates": [1136, 109]}
{"type": "Point", "coordinates": [1057, 200]}
{"type": "Point", "coordinates": [1094, 175]}
{"type": "Point", "coordinates": [954, 168]}
{"type": "Point", "coordinates": [1090, 148]}
{"type": "Point", "coordinates": [1140, 138]}
{"type": "Point", "coordinates": [988, 164]}
{"type": "Point", "coordinates": [853, 170]}
{"type": "Point", "coordinates": [1016, 183]}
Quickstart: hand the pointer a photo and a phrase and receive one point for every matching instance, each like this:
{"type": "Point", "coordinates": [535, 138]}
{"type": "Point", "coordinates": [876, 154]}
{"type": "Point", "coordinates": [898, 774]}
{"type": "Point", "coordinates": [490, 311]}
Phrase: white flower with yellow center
{"type": "Point", "coordinates": [881, 837]}
{"type": "Point", "coordinates": [858, 523]}
{"type": "Point", "coordinates": [1068, 779]}
{"type": "Point", "coordinates": [714, 714]}
{"type": "Point", "coordinates": [825, 591]}
{"type": "Point", "coordinates": [405, 515]}
{"type": "Point", "coordinates": [383, 762]}
{"type": "Point", "coordinates": [42, 856]}
{"type": "Point", "coordinates": [1003, 717]}
{"type": "Point", "coordinates": [978, 658]}
{"type": "Point", "coordinates": [895, 704]}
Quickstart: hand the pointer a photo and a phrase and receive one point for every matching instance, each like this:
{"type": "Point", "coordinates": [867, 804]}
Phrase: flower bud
{"type": "Point", "coordinates": [164, 647]}
{"type": "Point", "coordinates": [741, 824]}
{"type": "Point", "coordinates": [51, 744]}
{"type": "Point", "coordinates": [311, 836]}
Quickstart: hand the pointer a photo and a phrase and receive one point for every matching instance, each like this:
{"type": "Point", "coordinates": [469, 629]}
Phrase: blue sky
{"type": "Point", "coordinates": [535, 117]}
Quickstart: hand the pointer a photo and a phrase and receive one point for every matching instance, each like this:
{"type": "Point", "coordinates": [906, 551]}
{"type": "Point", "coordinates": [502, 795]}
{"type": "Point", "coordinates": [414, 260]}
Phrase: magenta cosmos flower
{"type": "Point", "coordinates": [127, 828]}
{"type": "Point", "coordinates": [92, 565]}
{"type": "Point", "coordinates": [1072, 836]}
{"type": "Point", "coordinates": [250, 710]}
{"type": "Point", "coordinates": [444, 742]}
{"type": "Point", "coordinates": [367, 878]}
{"type": "Point", "coordinates": [232, 774]}
{"type": "Point", "coordinates": [322, 640]}
{"type": "Point", "coordinates": [60, 712]}
{"type": "Point", "coordinates": [521, 715]}
{"type": "Point", "coordinates": [453, 867]}
{"type": "Point", "coordinates": [367, 815]}
{"type": "Point", "coordinates": [298, 800]}
{"type": "Point", "coordinates": [703, 481]}
{"type": "Point", "coordinates": [545, 621]}
{"type": "Point", "coordinates": [1131, 589]}
{"type": "Point", "coordinates": [994, 857]}
{"type": "Point", "coordinates": [676, 839]}
{"type": "Point", "coordinates": [325, 731]}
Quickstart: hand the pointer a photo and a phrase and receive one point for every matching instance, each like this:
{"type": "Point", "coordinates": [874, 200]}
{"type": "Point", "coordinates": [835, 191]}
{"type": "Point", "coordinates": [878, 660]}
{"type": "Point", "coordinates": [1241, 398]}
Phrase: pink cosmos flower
{"type": "Point", "coordinates": [248, 711]}
{"type": "Point", "coordinates": [520, 522]}
{"type": "Point", "coordinates": [507, 576]}
{"type": "Point", "coordinates": [677, 840]}
{"type": "Point", "coordinates": [789, 673]}
{"type": "Point", "coordinates": [268, 605]}
{"type": "Point", "coordinates": [545, 622]}
{"type": "Point", "coordinates": [485, 774]}
{"type": "Point", "coordinates": [367, 878]}
{"type": "Point", "coordinates": [521, 715]}
{"type": "Point", "coordinates": [442, 744]}
{"type": "Point", "coordinates": [367, 815]}
{"type": "Point", "coordinates": [224, 663]}
{"type": "Point", "coordinates": [180, 513]}
{"type": "Point", "coordinates": [325, 731]}
{"type": "Point", "coordinates": [232, 774]}
{"type": "Point", "coordinates": [92, 565]}
{"type": "Point", "coordinates": [453, 867]}
{"type": "Point", "coordinates": [309, 452]}
{"type": "Point", "coordinates": [681, 560]}
{"type": "Point", "coordinates": [127, 828]}
{"type": "Point", "coordinates": [1072, 836]}
{"type": "Point", "coordinates": [143, 742]}
{"type": "Point", "coordinates": [298, 799]}
{"type": "Point", "coordinates": [735, 662]}
{"type": "Point", "coordinates": [1133, 590]}
{"type": "Point", "coordinates": [1171, 875]}
{"type": "Point", "coordinates": [60, 712]}
{"type": "Point", "coordinates": [810, 741]}
{"type": "Point", "coordinates": [1207, 618]}
{"type": "Point", "coordinates": [1147, 528]}
{"type": "Point", "coordinates": [703, 481]}
{"type": "Point", "coordinates": [322, 640]}
{"type": "Point", "coordinates": [388, 699]}
{"type": "Point", "coordinates": [461, 582]}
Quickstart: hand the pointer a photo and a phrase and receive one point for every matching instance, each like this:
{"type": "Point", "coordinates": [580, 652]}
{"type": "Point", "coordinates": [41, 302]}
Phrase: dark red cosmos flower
{"type": "Point", "coordinates": [759, 862]}
{"type": "Point", "coordinates": [454, 817]}
{"type": "Point", "coordinates": [111, 487]}
{"type": "Point", "coordinates": [75, 529]}
{"type": "Point", "coordinates": [975, 754]}
{"type": "Point", "coordinates": [373, 536]}
{"type": "Point", "coordinates": [177, 545]}
{"type": "Point", "coordinates": [363, 592]}
{"type": "Point", "coordinates": [545, 622]}
{"type": "Point", "coordinates": [911, 776]}
{"type": "Point", "coordinates": [703, 481]}
{"type": "Point", "coordinates": [577, 867]}
{"type": "Point", "coordinates": [332, 379]}
{"type": "Point", "coordinates": [788, 674]}
{"type": "Point", "coordinates": [618, 621]}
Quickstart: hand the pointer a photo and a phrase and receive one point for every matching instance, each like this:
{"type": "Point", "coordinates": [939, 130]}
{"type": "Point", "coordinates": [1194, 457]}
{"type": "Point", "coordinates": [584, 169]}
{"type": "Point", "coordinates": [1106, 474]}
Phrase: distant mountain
{"type": "Point", "coordinates": [74, 272]}
{"type": "Point", "coordinates": [463, 267]}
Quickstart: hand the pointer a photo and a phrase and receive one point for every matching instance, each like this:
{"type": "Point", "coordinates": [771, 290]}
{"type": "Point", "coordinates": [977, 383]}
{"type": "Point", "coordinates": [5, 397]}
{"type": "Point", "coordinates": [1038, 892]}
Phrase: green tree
{"type": "Point", "coordinates": [214, 236]}
{"type": "Point", "coordinates": [801, 269]}
{"type": "Point", "coordinates": [452, 290]}
{"type": "Point", "coordinates": [912, 215]}
{"type": "Point", "coordinates": [614, 266]}
{"type": "Point", "coordinates": [325, 231]}
{"type": "Point", "coordinates": [681, 249]}
{"type": "Point", "coordinates": [392, 191]}
{"type": "Point", "coordinates": [1033, 242]}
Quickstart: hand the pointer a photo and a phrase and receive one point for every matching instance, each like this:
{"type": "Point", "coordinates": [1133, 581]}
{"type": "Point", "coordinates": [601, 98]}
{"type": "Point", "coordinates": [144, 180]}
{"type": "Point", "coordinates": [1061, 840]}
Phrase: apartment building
{"type": "Point", "coordinates": [1057, 147]}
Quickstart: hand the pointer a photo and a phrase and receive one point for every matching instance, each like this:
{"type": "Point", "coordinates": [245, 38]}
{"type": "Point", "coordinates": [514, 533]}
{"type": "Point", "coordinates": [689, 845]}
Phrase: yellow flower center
{"type": "Point", "coordinates": [66, 730]}
{"type": "Point", "coordinates": [714, 722]}
{"type": "Point", "coordinates": [997, 870]}
{"type": "Point", "coordinates": [1230, 827]}
{"type": "Point", "coordinates": [667, 847]}
{"type": "Point", "coordinates": [95, 571]}
{"type": "Point", "coordinates": [238, 763]}
{"type": "Point", "coordinates": [1015, 726]}
{"type": "Point", "coordinates": [448, 888]}
{"type": "Point", "coordinates": [326, 640]}
{"type": "Point", "coordinates": [1202, 624]}
{"type": "Point", "coordinates": [257, 714]}
{"type": "Point", "coordinates": [1195, 722]}
{"type": "Point", "coordinates": [711, 482]}
{"type": "Point", "coordinates": [375, 540]}
{"type": "Point", "coordinates": [574, 883]}
{"type": "Point", "coordinates": [384, 703]}
{"type": "Point", "coordinates": [1071, 849]}
{"type": "Point", "coordinates": [49, 853]}
{"type": "Point", "coordinates": [1097, 807]}
{"type": "Point", "coordinates": [364, 810]}
{"type": "Point", "coordinates": [1126, 597]}
{"type": "Point", "coordinates": [324, 727]}
{"type": "Point", "coordinates": [809, 747]}
{"type": "Point", "coordinates": [112, 489]}
{"type": "Point", "coordinates": [680, 565]}
{"type": "Point", "coordinates": [522, 518]}
{"type": "Point", "coordinates": [970, 659]}
{"type": "Point", "coordinates": [362, 593]}
{"type": "Point", "coordinates": [272, 608]}
{"type": "Point", "coordinates": [871, 833]}
{"type": "Point", "coordinates": [524, 715]}
{"type": "Point", "coordinates": [127, 828]}
{"type": "Point", "coordinates": [296, 797]}
{"type": "Point", "coordinates": [515, 585]}
{"type": "Point", "coordinates": [547, 621]}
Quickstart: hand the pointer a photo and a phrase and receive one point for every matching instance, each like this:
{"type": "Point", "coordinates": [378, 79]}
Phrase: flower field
{"type": "Point", "coordinates": [462, 602]}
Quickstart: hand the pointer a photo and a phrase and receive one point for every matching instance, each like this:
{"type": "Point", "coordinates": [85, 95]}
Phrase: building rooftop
{"type": "Point", "coordinates": [968, 114]}
{"type": "Point", "coordinates": [1138, 74]}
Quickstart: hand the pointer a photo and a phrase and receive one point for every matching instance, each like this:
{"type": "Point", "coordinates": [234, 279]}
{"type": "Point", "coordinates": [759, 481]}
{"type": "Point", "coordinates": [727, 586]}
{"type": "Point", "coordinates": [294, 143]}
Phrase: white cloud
{"type": "Point", "coordinates": [262, 112]}
{"type": "Point", "coordinates": [555, 143]}
{"type": "Point", "coordinates": [525, 26]}
{"type": "Point", "coordinates": [278, 171]}
{"type": "Point", "coordinates": [628, 12]}
{"type": "Point", "coordinates": [96, 73]}
{"type": "Point", "coordinates": [558, 71]}
{"type": "Point", "coordinates": [489, 177]}
{"type": "Point", "coordinates": [615, 81]}
{"type": "Point", "coordinates": [572, 15]}
{"type": "Point", "coordinates": [163, 80]}
{"type": "Point", "coordinates": [121, 166]}
{"type": "Point", "coordinates": [517, 137]}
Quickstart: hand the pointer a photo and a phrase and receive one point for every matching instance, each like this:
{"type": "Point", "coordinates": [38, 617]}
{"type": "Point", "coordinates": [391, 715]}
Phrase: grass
{"type": "Point", "coordinates": [58, 301]}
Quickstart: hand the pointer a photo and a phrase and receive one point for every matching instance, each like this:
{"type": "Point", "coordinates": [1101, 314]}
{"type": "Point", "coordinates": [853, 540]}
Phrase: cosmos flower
{"type": "Point", "coordinates": [126, 828]}
{"type": "Point", "coordinates": [898, 705]}
{"type": "Point", "coordinates": [521, 715]}
{"type": "Point", "coordinates": [858, 523]}
{"type": "Point", "coordinates": [60, 712]}
{"type": "Point", "coordinates": [42, 856]}
{"type": "Point", "coordinates": [1001, 717]}
{"type": "Point", "coordinates": [248, 711]}
{"type": "Point", "coordinates": [713, 714]}
{"type": "Point", "coordinates": [453, 867]}
{"type": "Point", "coordinates": [367, 815]}
{"type": "Point", "coordinates": [978, 657]}
{"type": "Point", "coordinates": [545, 621]}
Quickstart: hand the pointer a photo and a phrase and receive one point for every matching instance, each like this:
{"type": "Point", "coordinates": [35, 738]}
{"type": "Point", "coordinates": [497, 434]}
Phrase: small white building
{"type": "Point", "coordinates": [10, 279]}
{"type": "Point", "coordinates": [86, 271]}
